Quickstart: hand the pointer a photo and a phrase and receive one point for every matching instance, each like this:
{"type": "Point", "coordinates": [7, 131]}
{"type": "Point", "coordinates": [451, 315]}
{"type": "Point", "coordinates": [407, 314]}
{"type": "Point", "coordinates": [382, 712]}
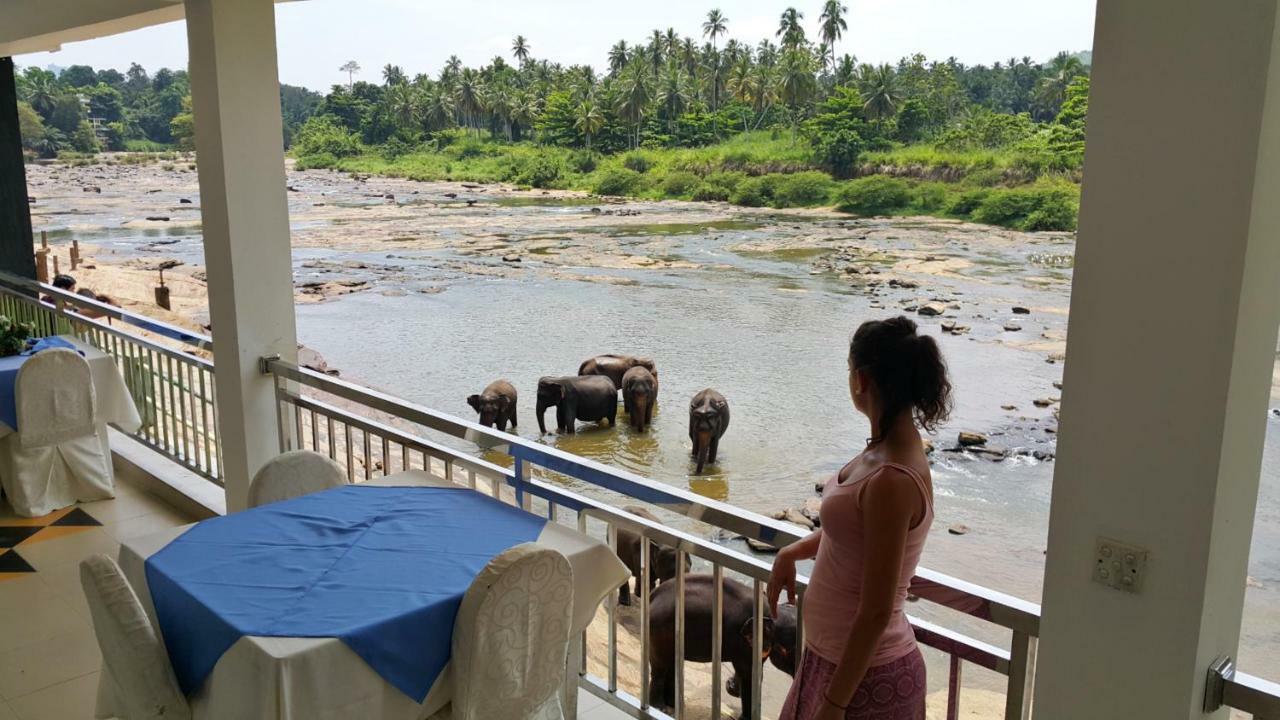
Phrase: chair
{"type": "Point", "coordinates": [511, 638]}
{"type": "Point", "coordinates": [133, 656]}
{"type": "Point", "coordinates": [59, 455]}
{"type": "Point", "coordinates": [294, 474]}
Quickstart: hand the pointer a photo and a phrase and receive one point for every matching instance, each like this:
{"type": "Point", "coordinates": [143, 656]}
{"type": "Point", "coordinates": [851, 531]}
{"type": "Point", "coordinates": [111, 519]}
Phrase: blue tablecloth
{"type": "Point", "coordinates": [9, 375]}
{"type": "Point", "coordinates": [382, 568]}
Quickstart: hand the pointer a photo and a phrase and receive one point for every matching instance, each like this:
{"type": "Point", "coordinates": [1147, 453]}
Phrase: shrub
{"type": "Point", "coordinates": [617, 181]}
{"type": "Point", "coordinates": [680, 184]}
{"type": "Point", "coordinates": [321, 135]}
{"type": "Point", "coordinates": [967, 202]}
{"type": "Point", "coordinates": [708, 192]}
{"type": "Point", "coordinates": [639, 162]}
{"type": "Point", "coordinates": [1057, 211]}
{"type": "Point", "coordinates": [802, 189]}
{"type": "Point", "coordinates": [540, 172]}
{"type": "Point", "coordinates": [1006, 207]}
{"type": "Point", "coordinates": [318, 161]}
{"type": "Point", "coordinates": [1042, 208]}
{"type": "Point", "coordinates": [875, 195]}
{"type": "Point", "coordinates": [931, 196]}
{"type": "Point", "coordinates": [583, 161]}
{"type": "Point", "coordinates": [466, 149]}
{"type": "Point", "coordinates": [755, 191]}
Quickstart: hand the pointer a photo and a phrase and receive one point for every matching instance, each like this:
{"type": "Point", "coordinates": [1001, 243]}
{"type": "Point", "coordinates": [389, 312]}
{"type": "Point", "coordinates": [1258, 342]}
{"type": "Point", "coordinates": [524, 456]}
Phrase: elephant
{"type": "Point", "coordinates": [590, 398]}
{"type": "Point", "coordinates": [736, 633]}
{"type": "Point", "coordinates": [496, 405]}
{"type": "Point", "coordinates": [662, 560]}
{"type": "Point", "coordinates": [783, 653]}
{"type": "Point", "coordinates": [639, 393]}
{"type": "Point", "coordinates": [708, 419]}
{"type": "Point", "coordinates": [615, 366]}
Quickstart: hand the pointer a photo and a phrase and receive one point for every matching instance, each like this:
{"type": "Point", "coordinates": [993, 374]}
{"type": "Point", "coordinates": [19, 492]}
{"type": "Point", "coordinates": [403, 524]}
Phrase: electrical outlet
{"type": "Point", "coordinates": [1118, 565]}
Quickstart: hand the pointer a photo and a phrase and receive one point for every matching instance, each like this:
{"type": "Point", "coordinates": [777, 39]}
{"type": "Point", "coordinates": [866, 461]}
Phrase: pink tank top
{"type": "Point", "coordinates": [835, 587]}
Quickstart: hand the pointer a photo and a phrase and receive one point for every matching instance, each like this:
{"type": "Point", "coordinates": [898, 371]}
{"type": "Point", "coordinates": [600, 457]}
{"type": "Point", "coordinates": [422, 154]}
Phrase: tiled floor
{"type": "Point", "coordinates": [49, 659]}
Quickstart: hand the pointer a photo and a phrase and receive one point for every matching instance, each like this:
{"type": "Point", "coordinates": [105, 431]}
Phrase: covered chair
{"type": "Point", "coordinates": [511, 638]}
{"type": "Point", "coordinates": [133, 655]}
{"type": "Point", "coordinates": [294, 474]}
{"type": "Point", "coordinates": [59, 454]}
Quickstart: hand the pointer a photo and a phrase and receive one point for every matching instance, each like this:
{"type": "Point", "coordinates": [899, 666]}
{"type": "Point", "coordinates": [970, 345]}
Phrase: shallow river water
{"type": "Point", "coordinates": [737, 300]}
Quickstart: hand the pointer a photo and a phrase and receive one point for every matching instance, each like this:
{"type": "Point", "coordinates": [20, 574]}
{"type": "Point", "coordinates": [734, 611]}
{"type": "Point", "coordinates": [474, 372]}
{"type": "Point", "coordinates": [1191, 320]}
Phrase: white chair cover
{"type": "Point", "coordinates": [133, 655]}
{"type": "Point", "coordinates": [58, 455]}
{"type": "Point", "coordinates": [511, 638]}
{"type": "Point", "coordinates": [294, 474]}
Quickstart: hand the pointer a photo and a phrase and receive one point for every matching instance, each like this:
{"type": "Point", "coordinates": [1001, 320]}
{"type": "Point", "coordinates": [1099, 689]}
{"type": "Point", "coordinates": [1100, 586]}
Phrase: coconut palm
{"type": "Point", "coordinates": [833, 23]}
{"type": "Point", "coordinates": [790, 28]}
{"type": "Point", "coordinates": [715, 25]}
{"type": "Point", "coordinates": [438, 108]}
{"type": "Point", "coordinates": [404, 103]}
{"type": "Point", "coordinates": [588, 119]}
{"type": "Point", "coordinates": [633, 97]}
{"type": "Point", "coordinates": [879, 88]}
{"type": "Point", "coordinates": [618, 56]}
{"type": "Point", "coordinates": [1051, 91]}
{"type": "Point", "coordinates": [351, 67]}
{"type": "Point", "coordinates": [520, 49]}
{"type": "Point", "coordinates": [467, 96]}
{"type": "Point", "coordinates": [42, 92]}
{"type": "Point", "coordinates": [656, 54]}
{"type": "Point", "coordinates": [673, 94]}
{"type": "Point", "coordinates": [393, 75]}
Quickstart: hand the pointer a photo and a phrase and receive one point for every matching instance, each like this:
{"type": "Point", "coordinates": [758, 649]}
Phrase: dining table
{"type": "Point", "coordinates": [337, 604]}
{"type": "Point", "coordinates": [114, 402]}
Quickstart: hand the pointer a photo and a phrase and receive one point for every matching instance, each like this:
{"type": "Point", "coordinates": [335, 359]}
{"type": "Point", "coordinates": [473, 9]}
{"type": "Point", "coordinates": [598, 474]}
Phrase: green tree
{"type": "Point", "coordinates": [588, 120]}
{"type": "Point", "coordinates": [78, 76]}
{"type": "Point", "coordinates": [392, 75]}
{"type": "Point", "coordinates": [520, 49]}
{"type": "Point", "coordinates": [30, 126]}
{"type": "Point", "coordinates": [67, 114]}
{"type": "Point", "coordinates": [879, 88]}
{"type": "Point", "coordinates": [833, 24]}
{"type": "Point", "coordinates": [790, 29]}
{"type": "Point", "coordinates": [350, 67]}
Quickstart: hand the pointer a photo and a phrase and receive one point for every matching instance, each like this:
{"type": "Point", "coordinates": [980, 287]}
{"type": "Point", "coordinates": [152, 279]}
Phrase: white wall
{"type": "Point", "coordinates": [1174, 311]}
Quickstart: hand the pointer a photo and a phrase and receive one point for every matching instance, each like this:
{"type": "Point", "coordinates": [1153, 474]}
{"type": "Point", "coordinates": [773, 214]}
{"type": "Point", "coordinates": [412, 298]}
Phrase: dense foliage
{"type": "Point", "coordinates": [87, 110]}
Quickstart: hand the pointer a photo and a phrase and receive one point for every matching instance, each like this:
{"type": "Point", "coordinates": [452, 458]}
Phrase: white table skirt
{"type": "Point", "coordinates": [114, 402]}
{"type": "Point", "coordinates": [272, 678]}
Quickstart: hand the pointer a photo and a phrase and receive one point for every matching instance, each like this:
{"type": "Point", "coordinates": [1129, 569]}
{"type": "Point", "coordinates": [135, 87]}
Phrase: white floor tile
{"type": "Point", "coordinates": [72, 548]}
{"type": "Point", "coordinates": [124, 506]}
{"type": "Point", "coordinates": [144, 524]}
{"type": "Point", "coordinates": [45, 616]}
{"type": "Point", "coordinates": [70, 700]}
{"type": "Point", "coordinates": [56, 659]}
{"type": "Point", "coordinates": [6, 713]}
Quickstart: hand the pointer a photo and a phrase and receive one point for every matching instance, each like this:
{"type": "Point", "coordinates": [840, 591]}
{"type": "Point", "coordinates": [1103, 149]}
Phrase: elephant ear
{"type": "Point", "coordinates": [504, 401]}
{"type": "Point", "coordinates": [474, 402]}
{"type": "Point", "coordinates": [766, 643]}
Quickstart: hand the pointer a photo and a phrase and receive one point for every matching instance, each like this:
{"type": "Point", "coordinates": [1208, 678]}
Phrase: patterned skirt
{"type": "Point", "coordinates": [893, 691]}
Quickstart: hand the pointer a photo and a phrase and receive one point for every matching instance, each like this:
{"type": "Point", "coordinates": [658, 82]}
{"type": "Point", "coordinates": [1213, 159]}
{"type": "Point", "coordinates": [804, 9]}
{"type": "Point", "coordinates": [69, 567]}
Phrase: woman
{"type": "Point", "coordinates": [861, 661]}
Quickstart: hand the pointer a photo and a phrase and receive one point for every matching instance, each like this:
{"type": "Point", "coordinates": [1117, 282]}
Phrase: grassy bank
{"type": "Point", "coordinates": [759, 169]}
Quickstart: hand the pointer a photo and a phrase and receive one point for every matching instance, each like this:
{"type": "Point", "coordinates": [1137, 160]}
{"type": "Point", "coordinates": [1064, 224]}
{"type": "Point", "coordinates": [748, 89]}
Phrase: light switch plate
{"type": "Point", "coordinates": [1119, 565]}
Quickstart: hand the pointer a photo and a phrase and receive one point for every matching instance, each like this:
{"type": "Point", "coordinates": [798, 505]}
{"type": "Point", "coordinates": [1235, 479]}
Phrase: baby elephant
{"type": "Point", "coordinates": [708, 419]}
{"type": "Point", "coordinates": [590, 398]}
{"type": "Point", "coordinates": [783, 653]}
{"type": "Point", "coordinates": [736, 633]}
{"type": "Point", "coordinates": [662, 560]}
{"type": "Point", "coordinates": [615, 366]}
{"type": "Point", "coordinates": [639, 393]}
{"type": "Point", "coordinates": [496, 405]}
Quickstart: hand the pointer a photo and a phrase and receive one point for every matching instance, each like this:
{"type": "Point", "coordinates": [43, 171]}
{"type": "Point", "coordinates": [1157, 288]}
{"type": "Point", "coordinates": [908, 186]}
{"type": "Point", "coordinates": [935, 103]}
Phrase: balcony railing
{"type": "Point", "coordinates": [373, 433]}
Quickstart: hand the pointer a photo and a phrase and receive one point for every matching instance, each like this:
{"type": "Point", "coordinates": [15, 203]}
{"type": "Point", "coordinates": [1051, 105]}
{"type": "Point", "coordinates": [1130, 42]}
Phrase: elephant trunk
{"type": "Point", "coordinates": [542, 409]}
{"type": "Point", "coordinates": [640, 410]}
{"type": "Point", "coordinates": [703, 449]}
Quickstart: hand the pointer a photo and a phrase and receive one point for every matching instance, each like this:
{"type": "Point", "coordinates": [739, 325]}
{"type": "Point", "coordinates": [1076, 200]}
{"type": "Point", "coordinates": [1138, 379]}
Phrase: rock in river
{"type": "Point", "coordinates": [972, 439]}
{"type": "Point", "coordinates": [1019, 310]}
{"type": "Point", "coordinates": [931, 309]}
{"type": "Point", "coordinates": [511, 258]}
{"type": "Point", "coordinates": [958, 529]}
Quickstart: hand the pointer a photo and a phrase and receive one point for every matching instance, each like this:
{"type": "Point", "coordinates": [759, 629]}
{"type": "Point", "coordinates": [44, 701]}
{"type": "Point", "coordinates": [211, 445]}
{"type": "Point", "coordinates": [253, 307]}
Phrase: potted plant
{"type": "Point", "coordinates": [14, 335]}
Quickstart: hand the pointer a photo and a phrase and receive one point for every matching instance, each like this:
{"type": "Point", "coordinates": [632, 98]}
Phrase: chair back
{"type": "Point", "coordinates": [54, 398]}
{"type": "Point", "coordinates": [511, 637]}
{"type": "Point", "coordinates": [294, 474]}
{"type": "Point", "coordinates": [132, 652]}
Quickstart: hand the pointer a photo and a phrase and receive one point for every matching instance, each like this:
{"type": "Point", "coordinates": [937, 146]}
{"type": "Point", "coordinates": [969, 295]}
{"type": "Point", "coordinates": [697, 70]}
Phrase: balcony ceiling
{"type": "Point", "coordinates": [45, 25]}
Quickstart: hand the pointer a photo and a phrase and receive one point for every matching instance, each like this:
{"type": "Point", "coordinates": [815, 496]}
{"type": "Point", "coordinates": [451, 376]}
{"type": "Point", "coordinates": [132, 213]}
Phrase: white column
{"type": "Point", "coordinates": [236, 101]}
{"type": "Point", "coordinates": [1174, 310]}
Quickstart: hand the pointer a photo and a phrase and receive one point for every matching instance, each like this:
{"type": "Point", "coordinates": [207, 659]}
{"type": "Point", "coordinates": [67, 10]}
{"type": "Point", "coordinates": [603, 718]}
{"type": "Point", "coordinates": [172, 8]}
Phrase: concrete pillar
{"type": "Point", "coordinates": [1174, 312]}
{"type": "Point", "coordinates": [235, 98]}
{"type": "Point", "coordinates": [15, 214]}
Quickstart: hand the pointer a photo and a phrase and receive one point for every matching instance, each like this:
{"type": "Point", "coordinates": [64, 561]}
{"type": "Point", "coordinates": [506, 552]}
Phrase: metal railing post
{"type": "Point", "coordinates": [1022, 675]}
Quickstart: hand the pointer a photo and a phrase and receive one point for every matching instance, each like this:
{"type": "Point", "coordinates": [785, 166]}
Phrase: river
{"type": "Point", "coordinates": [757, 304]}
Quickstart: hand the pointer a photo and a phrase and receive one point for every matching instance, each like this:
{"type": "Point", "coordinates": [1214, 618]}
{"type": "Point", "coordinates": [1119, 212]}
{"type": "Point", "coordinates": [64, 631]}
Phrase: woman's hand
{"type": "Point", "coordinates": [782, 577]}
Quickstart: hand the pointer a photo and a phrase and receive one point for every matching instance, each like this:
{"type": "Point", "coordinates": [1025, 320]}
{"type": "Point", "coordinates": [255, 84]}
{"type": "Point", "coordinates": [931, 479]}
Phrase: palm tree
{"type": "Point", "coordinates": [588, 119]}
{"type": "Point", "coordinates": [438, 108]}
{"type": "Point", "coordinates": [790, 29]}
{"type": "Point", "coordinates": [796, 83]}
{"type": "Point", "coordinates": [1052, 88]}
{"type": "Point", "coordinates": [520, 49]}
{"type": "Point", "coordinates": [715, 25]}
{"type": "Point", "coordinates": [393, 75]}
{"type": "Point", "coordinates": [673, 94]}
{"type": "Point", "coordinates": [671, 42]}
{"type": "Point", "coordinates": [879, 88]}
{"type": "Point", "coordinates": [351, 67]}
{"type": "Point", "coordinates": [633, 97]}
{"type": "Point", "coordinates": [42, 93]}
{"type": "Point", "coordinates": [656, 45]}
{"type": "Point", "coordinates": [618, 55]}
{"type": "Point", "coordinates": [468, 93]}
{"type": "Point", "coordinates": [404, 104]}
{"type": "Point", "coordinates": [833, 24]}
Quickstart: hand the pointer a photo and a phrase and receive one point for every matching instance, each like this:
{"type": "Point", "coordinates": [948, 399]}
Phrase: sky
{"type": "Point", "coordinates": [317, 36]}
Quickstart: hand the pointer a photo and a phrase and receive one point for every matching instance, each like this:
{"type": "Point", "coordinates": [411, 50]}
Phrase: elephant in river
{"type": "Point", "coordinates": [589, 398]}
{"type": "Point", "coordinates": [496, 405]}
{"type": "Point", "coordinates": [615, 366]}
{"type": "Point", "coordinates": [708, 419]}
{"type": "Point", "coordinates": [639, 393]}
{"type": "Point", "coordinates": [736, 632]}
{"type": "Point", "coordinates": [662, 560]}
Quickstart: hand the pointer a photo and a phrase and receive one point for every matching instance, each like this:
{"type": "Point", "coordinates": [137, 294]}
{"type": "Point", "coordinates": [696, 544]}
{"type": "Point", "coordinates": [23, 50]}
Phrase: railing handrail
{"type": "Point", "coordinates": [987, 604]}
{"type": "Point", "coordinates": [11, 284]}
{"type": "Point", "coordinates": [1228, 687]}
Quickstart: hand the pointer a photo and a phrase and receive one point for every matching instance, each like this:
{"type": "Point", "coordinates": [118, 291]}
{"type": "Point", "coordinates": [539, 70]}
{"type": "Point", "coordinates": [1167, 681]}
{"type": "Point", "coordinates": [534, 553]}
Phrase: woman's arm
{"type": "Point", "coordinates": [783, 576]}
{"type": "Point", "coordinates": [889, 502]}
